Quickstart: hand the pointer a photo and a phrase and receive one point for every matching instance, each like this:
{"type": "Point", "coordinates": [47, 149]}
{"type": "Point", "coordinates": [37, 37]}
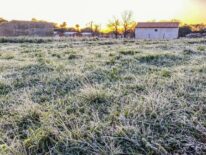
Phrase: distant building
{"type": "Point", "coordinates": [26, 28]}
{"type": "Point", "coordinates": [157, 30]}
{"type": "Point", "coordinates": [70, 34]}
{"type": "Point", "coordinates": [86, 34]}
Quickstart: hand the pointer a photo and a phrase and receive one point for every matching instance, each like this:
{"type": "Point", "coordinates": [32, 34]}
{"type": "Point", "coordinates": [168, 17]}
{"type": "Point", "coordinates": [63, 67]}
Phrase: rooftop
{"type": "Point", "coordinates": [158, 25]}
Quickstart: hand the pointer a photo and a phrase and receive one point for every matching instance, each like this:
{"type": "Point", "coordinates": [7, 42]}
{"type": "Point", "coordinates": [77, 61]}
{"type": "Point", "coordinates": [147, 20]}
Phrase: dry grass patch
{"type": "Point", "coordinates": [102, 96]}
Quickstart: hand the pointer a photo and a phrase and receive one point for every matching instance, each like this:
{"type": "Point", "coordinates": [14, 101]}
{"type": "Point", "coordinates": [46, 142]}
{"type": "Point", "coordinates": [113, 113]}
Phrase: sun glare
{"type": "Point", "coordinates": [161, 9]}
{"type": "Point", "coordinates": [100, 11]}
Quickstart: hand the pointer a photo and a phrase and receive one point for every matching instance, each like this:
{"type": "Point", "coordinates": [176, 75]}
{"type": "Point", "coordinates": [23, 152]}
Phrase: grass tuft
{"type": "Point", "coordinates": [201, 48]}
{"type": "Point", "coordinates": [4, 89]}
{"type": "Point", "coordinates": [166, 73]}
{"type": "Point", "coordinates": [91, 95]}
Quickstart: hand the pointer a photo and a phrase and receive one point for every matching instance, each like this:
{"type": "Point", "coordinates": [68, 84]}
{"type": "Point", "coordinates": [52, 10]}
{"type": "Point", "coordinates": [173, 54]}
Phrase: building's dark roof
{"type": "Point", "coordinates": [158, 25]}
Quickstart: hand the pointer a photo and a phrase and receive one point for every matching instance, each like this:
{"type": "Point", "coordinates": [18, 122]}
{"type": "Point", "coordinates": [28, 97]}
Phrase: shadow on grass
{"type": "Point", "coordinates": [165, 60]}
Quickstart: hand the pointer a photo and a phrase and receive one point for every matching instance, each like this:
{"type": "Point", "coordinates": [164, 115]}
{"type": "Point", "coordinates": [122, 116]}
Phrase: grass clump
{"type": "Point", "coordinates": [40, 140]}
{"type": "Point", "coordinates": [138, 88]}
{"type": "Point", "coordinates": [161, 60]}
{"type": "Point", "coordinates": [4, 149]}
{"type": "Point", "coordinates": [8, 57]}
{"type": "Point", "coordinates": [31, 70]}
{"type": "Point", "coordinates": [95, 100]}
{"type": "Point", "coordinates": [72, 56]}
{"type": "Point", "coordinates": [4, 89]}
{"type": "Point", "coordinates": [201, 48]}
{"type": "Point", "coordinates": [56, 88]}
{"type": "Point", "coordinates": [128, 52]}
{"type": "Point", "coordinates": [56, 55]}
{"type": "Point", "coordinates": [27, 122]}
{"type": "Point", "coordinates": [98, 75]}
{"type": "Point", "coordinates": [165, 73]}
{"type": "Point", "coordinates": [188, 51]}
{"type": "Point", "coordinates": [91, 95]}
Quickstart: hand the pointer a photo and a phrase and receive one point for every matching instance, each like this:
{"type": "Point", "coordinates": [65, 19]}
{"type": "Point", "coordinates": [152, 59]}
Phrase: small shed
{"type": "Point", "coordinates": [157, 30]}
{"type": "Point", "coordinates": [70, 34]}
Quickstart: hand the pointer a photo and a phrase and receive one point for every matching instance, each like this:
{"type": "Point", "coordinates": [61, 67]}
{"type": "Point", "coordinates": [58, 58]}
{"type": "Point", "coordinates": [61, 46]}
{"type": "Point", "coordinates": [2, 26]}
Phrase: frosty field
{"type": "Point", "coordinates": [102, 96]}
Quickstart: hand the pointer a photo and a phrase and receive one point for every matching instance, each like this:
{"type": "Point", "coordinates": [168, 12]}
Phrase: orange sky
{"type": "Point", "coordinates": [100, 11]}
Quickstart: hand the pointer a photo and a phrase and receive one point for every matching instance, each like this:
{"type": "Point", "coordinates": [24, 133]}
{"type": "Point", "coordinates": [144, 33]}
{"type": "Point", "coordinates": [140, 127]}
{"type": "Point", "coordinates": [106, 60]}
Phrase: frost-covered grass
{"type": "Point", "coordinates": [100, 96]}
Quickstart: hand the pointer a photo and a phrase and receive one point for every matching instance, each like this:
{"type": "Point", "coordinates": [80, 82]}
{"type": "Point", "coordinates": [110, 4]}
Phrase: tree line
{"type": "Point", "coordinates": [124, 26]}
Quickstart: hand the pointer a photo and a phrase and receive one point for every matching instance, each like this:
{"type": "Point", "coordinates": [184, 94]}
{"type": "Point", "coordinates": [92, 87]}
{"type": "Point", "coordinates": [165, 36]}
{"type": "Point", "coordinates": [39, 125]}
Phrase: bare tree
{"type": "Point", "coordinates": [63, 25]}
{"type": "Point", "coordinates": [114, 25]}
{"type": "Point", "coordinates": [34, 20]}
{"type": "Point", "coordinates": [77, 27]}
{"type": "Point", "coordinates": [96, 28]}
{"type": "Point", "coordinates": [199, 27]}
{"type": "Point", "coordinates": [91, 26]}
{"type": "Point", "coordinates": [127, 22]}
{"type": "Point", "coordinates": [2, 20]}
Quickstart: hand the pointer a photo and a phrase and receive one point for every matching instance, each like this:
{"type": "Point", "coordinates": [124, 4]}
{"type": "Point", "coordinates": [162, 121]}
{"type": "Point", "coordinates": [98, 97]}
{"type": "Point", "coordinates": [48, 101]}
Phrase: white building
{"type": "Point", "coordinates": [86, 34]}
{"type": "Point", "coordinates": [157, 30]}
{"type": "Point", "coordinates": [70, 34]}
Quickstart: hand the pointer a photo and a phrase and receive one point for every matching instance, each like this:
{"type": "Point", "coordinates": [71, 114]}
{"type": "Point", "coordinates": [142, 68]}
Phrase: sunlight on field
{"type": "Point", "coordinates": [102, 96]}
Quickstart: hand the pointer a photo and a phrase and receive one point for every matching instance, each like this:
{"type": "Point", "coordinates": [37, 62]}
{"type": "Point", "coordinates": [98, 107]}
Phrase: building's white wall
{"type": "Point", "coordinates": [161, 33]}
